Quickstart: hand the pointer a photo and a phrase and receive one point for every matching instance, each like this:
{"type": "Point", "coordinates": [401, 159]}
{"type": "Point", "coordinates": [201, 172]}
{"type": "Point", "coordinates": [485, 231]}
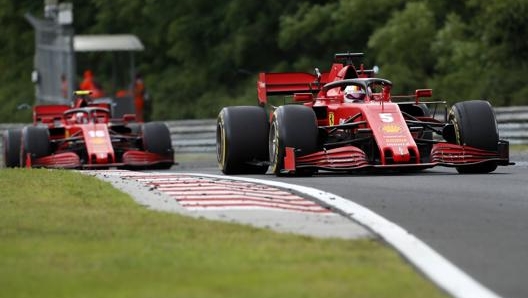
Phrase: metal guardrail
{"type": "Point", "coordinates": [200, 135]}
{"type": "Point", "coordinates": [513, 124]}
{"type": "Point", "coordinates": [193, 135]}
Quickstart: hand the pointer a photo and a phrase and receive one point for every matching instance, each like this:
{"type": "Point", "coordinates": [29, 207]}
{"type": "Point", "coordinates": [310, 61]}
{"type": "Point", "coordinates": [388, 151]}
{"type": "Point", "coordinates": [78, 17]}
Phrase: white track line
{"type": "Point", "coordinates": [437, 268]}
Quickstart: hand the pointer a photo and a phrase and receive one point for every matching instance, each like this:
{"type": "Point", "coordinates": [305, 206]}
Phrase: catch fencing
{"type": "Point", "coordinates": [199, 136]}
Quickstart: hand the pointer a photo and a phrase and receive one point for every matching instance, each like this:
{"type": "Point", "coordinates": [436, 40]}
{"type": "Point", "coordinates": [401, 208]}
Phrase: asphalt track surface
{"type": "Point", "coordinates": [478, 222]}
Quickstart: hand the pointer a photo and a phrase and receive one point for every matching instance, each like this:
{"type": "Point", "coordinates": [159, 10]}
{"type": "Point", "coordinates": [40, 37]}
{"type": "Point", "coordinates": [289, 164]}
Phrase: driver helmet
{"type": "Point", "coordinates": [353, 93]}
{"type": "Point", "coordinates": [80, 118]}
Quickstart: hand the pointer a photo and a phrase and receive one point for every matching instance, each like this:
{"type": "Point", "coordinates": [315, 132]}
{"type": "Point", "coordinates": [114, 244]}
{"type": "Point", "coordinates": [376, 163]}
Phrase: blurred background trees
{"type": "Point", "coordinates": [201, 56]}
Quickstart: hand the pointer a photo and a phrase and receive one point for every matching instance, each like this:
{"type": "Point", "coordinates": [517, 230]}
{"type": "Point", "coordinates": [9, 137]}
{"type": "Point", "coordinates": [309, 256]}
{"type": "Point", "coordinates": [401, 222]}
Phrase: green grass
{"type": "Point", "coordinates": [518, 147]}
{"type": "Point", "coordinates": [65, 234]}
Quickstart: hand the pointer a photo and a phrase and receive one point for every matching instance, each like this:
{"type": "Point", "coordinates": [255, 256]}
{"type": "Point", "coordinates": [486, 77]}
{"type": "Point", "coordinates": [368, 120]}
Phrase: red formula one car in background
{"type": "Point", "coordinates": [85, 136]}
{"type": "Point", "coordinates": [347, 120]}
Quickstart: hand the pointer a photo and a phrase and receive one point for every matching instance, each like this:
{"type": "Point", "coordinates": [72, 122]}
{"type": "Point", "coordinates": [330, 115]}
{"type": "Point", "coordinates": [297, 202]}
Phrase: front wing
{"type": "Point", "coordinates": [131, 158]}
{"type": "Point", "coordinates": [351, 158]}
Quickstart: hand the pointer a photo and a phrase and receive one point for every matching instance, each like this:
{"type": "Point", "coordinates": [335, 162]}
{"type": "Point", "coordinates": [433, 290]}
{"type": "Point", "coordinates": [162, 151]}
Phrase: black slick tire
{"type": "Point", "coordinates": [475, 125]}
{"type": "Point", "coordinates": [35, 143]}
{"type": "Point", "coordinates": [292, 126]}
{"type": "Point", "coordinates": [241, 140]}
{"type": "Point", "coordinates": [157, 139]}
{"type": "Point", "coordinates": [12, 142]}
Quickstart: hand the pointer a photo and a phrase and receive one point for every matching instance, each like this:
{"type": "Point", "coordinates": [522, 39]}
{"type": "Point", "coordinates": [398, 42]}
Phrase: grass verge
{"type": "Point", "coordinates": [518, 148]}
{"type": "Point", "coordinates": [65, 234]}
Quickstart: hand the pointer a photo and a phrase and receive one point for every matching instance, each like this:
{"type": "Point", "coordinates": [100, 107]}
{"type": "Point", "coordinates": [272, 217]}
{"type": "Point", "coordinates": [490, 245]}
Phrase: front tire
{"type": "Point", "coordinates": [157, 139]}
{"type": "Point", "coordinates": [35, 143]}
{"type": "Point", "coordinates": [241, 140]}
{"type": "Point", "coordinates": [292, 126]}
{"type": "Point", "coordinates": [475, 125]}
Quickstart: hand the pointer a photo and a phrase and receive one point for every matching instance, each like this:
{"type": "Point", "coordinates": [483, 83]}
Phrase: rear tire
{"type": "Point", "coordinates": [475, 125]}
{"type": "Point", "coordinates": [35, 142]}
{"type": "Point", "coordinates": [241, 140]}
{"type": "Point", "coordinates": [292, 126]}
{"type": "Point", "coordinates": [12, 142]}
{"type": "Point", "coordinates": [157, 139]}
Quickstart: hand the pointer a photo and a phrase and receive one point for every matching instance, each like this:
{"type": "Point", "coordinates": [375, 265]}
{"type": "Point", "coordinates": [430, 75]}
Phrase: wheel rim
{"type": "Point", "coordinates": [220, 144]}
{"type": "Point", "coordinates": [273, 146]}
{"type": "Point", "coordinates": [453, 120]}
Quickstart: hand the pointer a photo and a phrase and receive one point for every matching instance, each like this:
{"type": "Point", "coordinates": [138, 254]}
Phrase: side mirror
{"type": "Point", "coordinates": [303, 97]}
{"type": "Point", "coordinates": [129, 117]}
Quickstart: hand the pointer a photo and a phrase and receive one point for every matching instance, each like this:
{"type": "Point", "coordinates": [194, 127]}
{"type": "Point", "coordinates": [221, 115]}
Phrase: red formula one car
{"type": "Point", "coordinates": [346, 120]}
{"type": "Point", "coordinates": [85, 136]}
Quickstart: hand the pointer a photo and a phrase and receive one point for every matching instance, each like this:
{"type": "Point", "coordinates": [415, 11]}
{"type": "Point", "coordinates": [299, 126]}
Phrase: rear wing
{"type": "Point", "coordinates": [49, 115]}
{"type": "Point", "coordinates": [346, 58]}
{"type": "Point", "coordinates": [288, 83]}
